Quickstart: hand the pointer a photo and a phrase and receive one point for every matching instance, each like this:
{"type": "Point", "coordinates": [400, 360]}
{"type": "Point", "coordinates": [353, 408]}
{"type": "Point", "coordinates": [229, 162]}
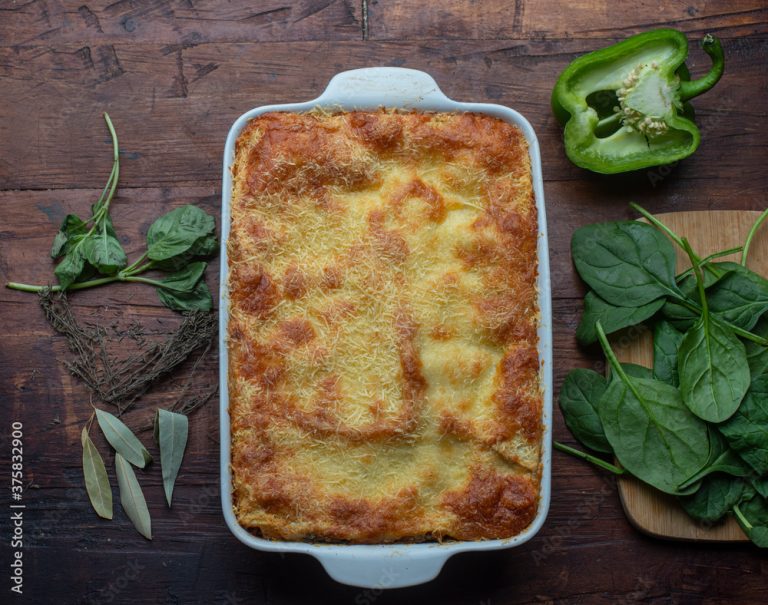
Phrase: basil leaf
{"type": "Point", "coordinates": [611, 317]}
{"type": "Point", "coordinates": [578, 399]}
{"type": "Point", "coordinates": [105, 253]}
{"type": "Point", "coordinates": [203, 248]}
{"type": "Point", "coordinates": [96, 479]}
{"type": "Point", "coordinates": [186, 279]}
{"type": "Point", "coordinates": [178, 231]}
{"type": "Point", "coordinates": [716, 496]}
{"type": "Point", "coordinates": [739, 298]}
{"type": "Point", "coordinates": [132, 498]}
{"type": "Point", "coordinates": [70, 268]}
{"type": "Point", "coordinates": [747, 430]}
{"type": "Point", "coordinates": [72, 229]}
{"type": "Point", "coordinates": [654, 436]}
{"type": "Point", "coordinates": [666, 341]}
{"type": "Point", "coordinates": [171, 430]}
{"type": "Point", "coordinates": [122, 439]}
{"type": "Point", "coordinates": [627, 264]}
{"type": "Point", "coordinates": [757, 355]}
{"type": "Point", "coordinates": [713, 370]}
{"type": "Point", "coordinates": [198, 299]}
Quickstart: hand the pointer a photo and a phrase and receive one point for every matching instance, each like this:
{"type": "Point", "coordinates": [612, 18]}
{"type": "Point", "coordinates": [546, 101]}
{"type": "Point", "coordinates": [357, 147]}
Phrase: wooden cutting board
{"type": "Point", "coordinates": [647, 509]}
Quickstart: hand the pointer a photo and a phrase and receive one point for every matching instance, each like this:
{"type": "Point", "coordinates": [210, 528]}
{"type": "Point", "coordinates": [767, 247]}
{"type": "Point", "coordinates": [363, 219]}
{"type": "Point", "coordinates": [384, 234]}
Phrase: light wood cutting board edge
{"type": "Point", "coordinates": [647, 509]}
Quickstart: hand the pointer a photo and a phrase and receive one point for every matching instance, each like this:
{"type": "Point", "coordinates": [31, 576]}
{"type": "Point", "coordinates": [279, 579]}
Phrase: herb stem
{"type": "Point", "coordinates": [742, 519]}
{"type": "Point", "coordinates": [691, 306]}
{"type": "Point", "coordinates": [130, 268]}
{"type": "Point", "coordinates": [657, 223]}
{"type": "Point", "coordinates": [145, 280]}
{"type": "Point", "coordinates": [116, 165]}
{"type": "Point", "coordinates": [695, 263]}
{"type": "Point", "coordinates": [661, 226]}
{"type": "Point", "coordinates": [611, 356]}
{"type": "Point", "coordinates": [708, 259]}
{"type": "Point", "coordinates": [76, 286]}
{"type": "Point", "coordinates": [589, 458]}
{"type": "Point", "coordinates": [760, 220]}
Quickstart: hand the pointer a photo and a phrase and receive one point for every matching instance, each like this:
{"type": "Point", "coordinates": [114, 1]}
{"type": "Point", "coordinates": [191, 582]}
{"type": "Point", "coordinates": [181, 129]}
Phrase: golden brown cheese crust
{"type": "Point", "coordinates": [384, 374]}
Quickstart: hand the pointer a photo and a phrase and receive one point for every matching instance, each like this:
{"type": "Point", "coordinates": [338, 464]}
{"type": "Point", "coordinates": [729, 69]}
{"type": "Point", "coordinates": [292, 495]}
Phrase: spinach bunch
{"type": "Point", "coordinates": [90, 254]}
{"type": "Point", "coordinates": [695, 425]}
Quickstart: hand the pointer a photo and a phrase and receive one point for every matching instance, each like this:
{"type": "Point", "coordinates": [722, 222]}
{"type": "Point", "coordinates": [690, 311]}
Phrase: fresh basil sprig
{"type": "Point", "coordinates": [177, 243]}
{"type": "Point", "coordinates": [696, 425]}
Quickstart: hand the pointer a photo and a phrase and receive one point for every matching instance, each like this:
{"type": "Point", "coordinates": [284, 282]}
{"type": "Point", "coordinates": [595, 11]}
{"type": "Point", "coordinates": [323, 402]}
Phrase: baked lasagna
{"type": "Point", "coordinates": [383, 361]}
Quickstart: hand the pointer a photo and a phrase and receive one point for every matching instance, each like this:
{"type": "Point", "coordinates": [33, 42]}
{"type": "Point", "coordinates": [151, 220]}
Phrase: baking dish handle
{"type": "Point", "coordinates": [375, 571]}
{"type": "Point", "coordinates": [374, 87]}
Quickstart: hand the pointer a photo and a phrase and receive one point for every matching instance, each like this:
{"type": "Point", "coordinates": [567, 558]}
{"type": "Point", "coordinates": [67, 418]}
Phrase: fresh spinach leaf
{"type": "Point", "coordinates": [714, 499]}
{"type": "Point", "coordinates": [752, 515]}
{"type": "Point", "coordinates": [760, 485]}
{"type": "Point", "coordinates": [681, 316]}
{"type": "Point", "coordinates": [578, 399]}
{"type": "Point", "coordinates": [747, 430]}
{"type": "Point", "coordinates": [198, 299]}
{"type": "Point", "coordinates": [178, 231]}
{"type": "Point", "coordinates": [757, 354]}
{"type": "Point", "coordinates": [634, 370]}
{"type": "Point", "coordinates": [740, 297]}
{"type": "Point", "coordinates": [666, 342]}
{"type": "Point", "coordinates": [627, 264]}
{"type": "Point", "coordinates": [712, 363]}
{"type": "Point", "coordinates": [722, 459]}
{"type": "Point", "coordinates": [759, 536]}
{"type": "Point", "coordinates": [713, 370]}
{"type": "Point", "coordinates": [654, 436]}
{"type": "Point", "coordinates": [611, 317]}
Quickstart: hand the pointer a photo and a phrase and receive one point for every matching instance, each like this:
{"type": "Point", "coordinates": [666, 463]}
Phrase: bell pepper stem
{"type": "Point", "coordinates": [693, 88]}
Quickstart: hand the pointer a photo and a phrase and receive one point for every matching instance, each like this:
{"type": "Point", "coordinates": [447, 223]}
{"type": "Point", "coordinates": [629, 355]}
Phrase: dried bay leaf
{"type": "Point", "coordinates": [122, 439]}
{"type": "Point", "coordinates": [96, 479]}
{"type": "Point", "coordinates": [171, 431]}
{"type": "Point", "coordinates": [132, 498]}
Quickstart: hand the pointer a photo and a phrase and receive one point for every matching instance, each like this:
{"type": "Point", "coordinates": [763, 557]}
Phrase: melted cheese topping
{"type": "Point", "coordinates": [384, 375]}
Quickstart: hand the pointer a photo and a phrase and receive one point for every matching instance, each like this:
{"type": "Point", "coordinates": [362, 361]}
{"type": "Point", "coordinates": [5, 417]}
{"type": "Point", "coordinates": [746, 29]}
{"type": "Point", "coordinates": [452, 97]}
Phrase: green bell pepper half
{"type": "Point", "coordinates": [625, 106]}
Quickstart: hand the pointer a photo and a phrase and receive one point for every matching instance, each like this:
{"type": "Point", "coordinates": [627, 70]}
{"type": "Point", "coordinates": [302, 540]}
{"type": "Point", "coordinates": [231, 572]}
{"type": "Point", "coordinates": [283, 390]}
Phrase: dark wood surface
{"type": "Point", "coordinates": [173, 75]}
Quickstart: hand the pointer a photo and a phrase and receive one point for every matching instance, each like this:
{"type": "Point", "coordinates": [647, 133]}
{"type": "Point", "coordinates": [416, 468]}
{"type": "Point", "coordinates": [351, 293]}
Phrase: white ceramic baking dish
{"type": "Point", "coordinates": [389, 565]}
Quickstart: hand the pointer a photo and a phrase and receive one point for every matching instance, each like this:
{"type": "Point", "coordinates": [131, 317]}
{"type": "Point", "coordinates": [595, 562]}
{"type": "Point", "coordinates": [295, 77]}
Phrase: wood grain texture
{"type": "Point", "coordinates": [187, 99]}
{"type": "Point", "coordinates": [545, 19]}
{"type": "Point", "coordinates": [178, 23]}
{"type": "Point", "coordinates": [648, 509]}
{"type": "Point", "coordinates": [174, 74]}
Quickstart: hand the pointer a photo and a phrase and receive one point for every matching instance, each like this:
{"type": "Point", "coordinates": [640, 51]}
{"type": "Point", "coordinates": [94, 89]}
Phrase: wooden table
{"type": "Point", "coordinates": [173, 75]}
